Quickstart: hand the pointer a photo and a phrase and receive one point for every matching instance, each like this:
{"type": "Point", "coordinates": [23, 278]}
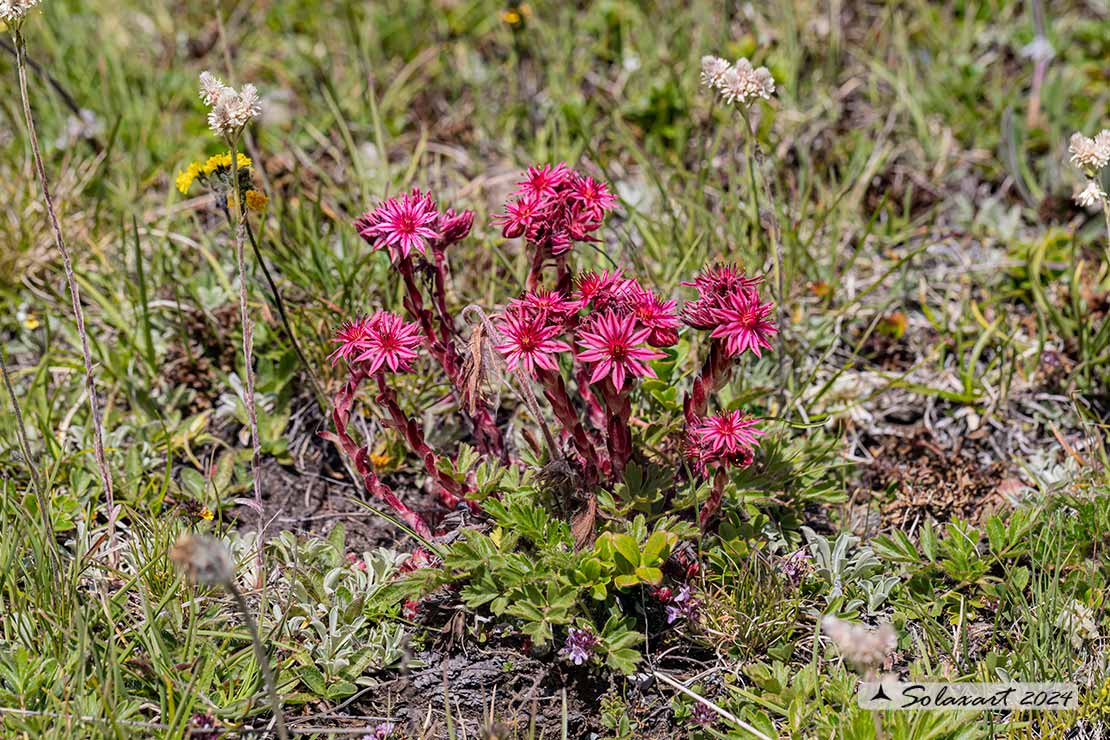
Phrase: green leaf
{"type": "Point", "coordinates": [654, 547]}
{"type": "Point", "coordinates": [996, 534]}
{"type": "Point", "coordinates": [311, 676]}
{"type": "Point", "coordinates": [341, 690]}
{"type": "Point", "coordinates": [627, 552]}
{"type": "Point", "coordinates": [626, 581]}
{"type": "Point", "coordinates": [654, 576]}
{"type": "Point", "coordinates": [897, 548]}
{"type": "Point", "coordinates": [928, 540]}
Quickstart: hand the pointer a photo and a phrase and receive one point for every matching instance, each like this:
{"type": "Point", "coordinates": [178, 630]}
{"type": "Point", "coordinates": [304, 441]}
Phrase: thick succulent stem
{"type": "Point", "coordinates": [713, 375]}
{"type": "Point", "coordinates": [618, 434]}
{"type": "Point", "coordinates": [451, 491]}
{"type": "Point", "coordinates": [360, 456]}
{"type": "Point", "coordinates": [555, 390]}
{"type": "Point", "coordinates": [713, 503]}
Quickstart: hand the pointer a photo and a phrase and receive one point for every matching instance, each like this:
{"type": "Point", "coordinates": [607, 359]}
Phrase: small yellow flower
{"type": "Point", "coordinates": [380, 460]}
{"type": "Point", "coordinates": [31, 322]}
{"type": "Point", "coordinates": [217, 161]}
{"type": "Point", "coordinates": [206, 514]}
{"type": "Point", "coordinates": [186, 176]}
{"type": "Point", "coordinates": [510, 16]}
{"type": "Point", "coordinates": [256, 200]}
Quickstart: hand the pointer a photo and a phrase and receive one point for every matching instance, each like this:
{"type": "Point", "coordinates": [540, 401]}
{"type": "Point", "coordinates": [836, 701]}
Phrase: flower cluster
{"type": "Point", "coordinates": [230, 110]}
{"type": "Point", "coordinates": [417, 236]}
{"type": "Point", "coordinates": [623, 322]}
{"type": "Point", "coordinates": [682, 605]}
{"type": "Point", "coordinates": [552, 208]}
{"type": "Point", "coordinates": [729, 305]}
{"type": "Point", "coordinates": [13, 11]}
{"type": "Point", "coordinates": [728, 438]}
{"type": "Point", "coordinates": [737, 83]}
{"type": "Point", "coordinates": [580, 645]}
{"type": "Point", "coordinates": [796, 566]}
{"type": "Point", "coordinates": [555, 206]}
{"type": "Point", "coordinates": [587, 341]}
{"type": "Point", "coordinates": [215, 171]}
{"type": "Point", "coordinates": [1090, 155]}
{"type": "Point", "coordinates": [382, 731]}
{"type": "Point", "coordinates": [611, 328]}
{"type": "Point", "coordinates": [380, 341]}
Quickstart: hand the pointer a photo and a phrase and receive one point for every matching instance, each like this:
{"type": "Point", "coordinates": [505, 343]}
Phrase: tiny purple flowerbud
{"type": "Point", "coordinates": [579, 646]}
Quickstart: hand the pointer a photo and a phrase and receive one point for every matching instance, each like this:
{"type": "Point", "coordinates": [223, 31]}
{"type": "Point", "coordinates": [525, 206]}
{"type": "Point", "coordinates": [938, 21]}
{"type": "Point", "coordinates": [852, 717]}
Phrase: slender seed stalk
{"type": "Point", "coordinates": [248, 352]}
{"type": "Point", "coordinates": [74, 294]}
{"type": "Point", "coordinates": [523, 383]}
{"type": "Point", "coordinates": [261, 657]}
{"type": "Point", "coordinates": [753, 187]}
{"type": "Point", "coordinates": [753, 154]}
{"type": "Point", "coordinates": [1106, 216]}
{"type": "Point", "coordinates": [280, 305]}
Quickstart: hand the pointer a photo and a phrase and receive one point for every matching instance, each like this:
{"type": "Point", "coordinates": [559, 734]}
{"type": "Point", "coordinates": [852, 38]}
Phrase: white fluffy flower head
{"type": "Point", "coordinates": [864, 649]}
{"type": "Point", "coordinates": [231, 109]}
{"type": "Point", "coordinates": [210, 88]}
{"type": "Point", "coordinates": [712, 70]}
{"type": "Point", "coordinates": [1090, 154]}
{"type": "Point", "coordinates": [738, 83]}
{"type": "Point", "coordinates": [1091, 195]}
{"type": "Point", "coordinates": [13, 11]}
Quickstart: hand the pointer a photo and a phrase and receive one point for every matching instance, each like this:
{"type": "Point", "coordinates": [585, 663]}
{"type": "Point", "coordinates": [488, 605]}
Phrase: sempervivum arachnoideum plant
{"type": "Point", "coordinates": [589, 341]}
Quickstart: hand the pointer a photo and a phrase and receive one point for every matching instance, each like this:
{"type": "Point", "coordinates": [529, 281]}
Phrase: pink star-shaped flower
{"type": "Point", "coordinates": [351, 337]}
{"type": "Point", "coordinates": [611, 344]}
{"type": "Point", "coordinates": [743, 323]}
{"type": "Point", "coordinates": [391, 343]}
{"type": "Point", "coordinates": [402, 224]}
{"type": "Point", "coordinates": [528, 342]}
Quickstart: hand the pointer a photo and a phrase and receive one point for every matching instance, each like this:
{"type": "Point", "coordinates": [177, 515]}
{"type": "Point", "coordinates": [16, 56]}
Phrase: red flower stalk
{"type": "Point", "coordinates": [360, 455]}
{"type": "Point", "coordinates": [728, 306]}
{"type": "Point", "coordinates": [712, 376]}
{"type": "Point", "coordinates": [555, 390]}
{"type": "Point", "coordinates": [618, 433]}
{"type": "Point", "coordinates": [373, 346]}
{"type": "Point", "coordinates": [611, 345]}
{"type": "Point", "coordinates": [553, 208]}
{"type": "Point", "coordinates": [451, 492]}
